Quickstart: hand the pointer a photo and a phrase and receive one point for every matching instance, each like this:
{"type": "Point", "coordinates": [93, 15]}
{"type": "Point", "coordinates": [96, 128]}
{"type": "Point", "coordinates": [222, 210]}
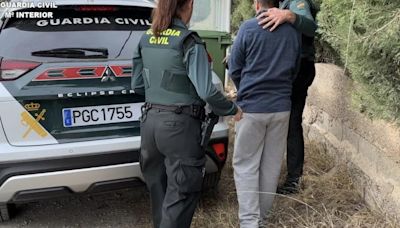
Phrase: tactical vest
{"type": "Point", "coordinates": [164, 73]}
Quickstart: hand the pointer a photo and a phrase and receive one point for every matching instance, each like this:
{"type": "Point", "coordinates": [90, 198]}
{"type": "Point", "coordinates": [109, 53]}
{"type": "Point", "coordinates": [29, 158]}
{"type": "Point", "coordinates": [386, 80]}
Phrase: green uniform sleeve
{"type": "Point", "coordinates": [137, 73]}
{"type": "Point", "coordinates": [199, 72]}
{"type": "Point", "coordinates": [305, 23]}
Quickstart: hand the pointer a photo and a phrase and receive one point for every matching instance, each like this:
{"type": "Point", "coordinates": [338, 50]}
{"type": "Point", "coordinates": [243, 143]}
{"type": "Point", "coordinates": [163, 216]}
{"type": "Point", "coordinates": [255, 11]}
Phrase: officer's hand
{"type": "Point", "coordinates": [239, 115]}
{"type": "Point", "coordinates": [273, 18]}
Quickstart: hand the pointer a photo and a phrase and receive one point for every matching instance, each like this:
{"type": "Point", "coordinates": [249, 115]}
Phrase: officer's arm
{"type": "Point", "coordinates": [237, 58]}
{"type": "Point", "coordinates": [303, 20]}
{"type": "Point", "coordinates": [137, 73]}
{"type": "Point", "coordinates": [199, 72]}
{"type": "Point", "coordinates": [299, 14]}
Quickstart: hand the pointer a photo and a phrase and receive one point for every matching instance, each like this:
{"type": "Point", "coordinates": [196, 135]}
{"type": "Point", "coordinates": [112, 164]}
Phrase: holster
{"type": "Point", "coordinates": [207, 128]}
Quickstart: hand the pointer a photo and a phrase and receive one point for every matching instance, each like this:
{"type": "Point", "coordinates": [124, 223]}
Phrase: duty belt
{"type": "Point", "coordinates": [195, 111]}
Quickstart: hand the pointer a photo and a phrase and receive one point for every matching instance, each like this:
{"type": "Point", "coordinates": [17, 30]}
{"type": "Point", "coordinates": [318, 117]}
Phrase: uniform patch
{"type": "Point", "coordinates": [31, 123]}
{"type": "Point", "coordinates": [168, 32]}
{"type": "Point", "coordinates": [163, 39]}
{"type": "Point", "coordinates": [301, 5]}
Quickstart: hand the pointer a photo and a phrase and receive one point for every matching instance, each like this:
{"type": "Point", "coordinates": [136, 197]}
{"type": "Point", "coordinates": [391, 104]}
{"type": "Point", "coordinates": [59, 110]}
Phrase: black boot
{"type": "Point", "coordinates": [291, 186]}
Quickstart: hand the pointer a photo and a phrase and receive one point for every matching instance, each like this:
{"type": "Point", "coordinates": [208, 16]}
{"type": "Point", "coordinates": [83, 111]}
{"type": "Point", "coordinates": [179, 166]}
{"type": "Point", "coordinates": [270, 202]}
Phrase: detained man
{"type": "Point", "coordinates": [263, 66]}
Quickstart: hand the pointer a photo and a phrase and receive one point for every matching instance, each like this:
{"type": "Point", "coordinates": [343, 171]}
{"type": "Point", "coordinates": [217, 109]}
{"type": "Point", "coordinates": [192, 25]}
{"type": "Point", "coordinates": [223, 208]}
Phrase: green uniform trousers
{"type": "Point", "coordinates": [173, 166]}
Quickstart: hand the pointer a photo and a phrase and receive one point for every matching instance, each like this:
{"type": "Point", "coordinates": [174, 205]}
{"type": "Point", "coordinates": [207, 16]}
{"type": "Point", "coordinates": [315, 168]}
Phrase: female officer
{"type": "Point", "coordinates": [171, 68]}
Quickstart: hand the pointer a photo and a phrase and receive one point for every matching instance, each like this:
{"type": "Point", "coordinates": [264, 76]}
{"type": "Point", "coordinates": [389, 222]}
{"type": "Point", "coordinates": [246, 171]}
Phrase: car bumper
{"type": "Point", "coordinates": [31, 173]}
{"type": "Point", "coordinates": [29, 187]}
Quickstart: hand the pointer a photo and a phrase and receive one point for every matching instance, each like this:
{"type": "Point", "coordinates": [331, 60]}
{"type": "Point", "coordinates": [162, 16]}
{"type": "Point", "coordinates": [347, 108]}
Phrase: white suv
{"type": "Point", "coordinates": [68, 117]}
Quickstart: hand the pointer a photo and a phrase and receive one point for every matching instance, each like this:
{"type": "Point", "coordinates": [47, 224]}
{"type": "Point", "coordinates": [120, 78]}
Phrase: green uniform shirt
{"type": "Point", "coordinates": [198, 70]}
{"type": "Point", "coordinates": [305, 23]}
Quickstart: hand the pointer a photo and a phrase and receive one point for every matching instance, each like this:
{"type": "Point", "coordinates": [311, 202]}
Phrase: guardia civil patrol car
{"type": "Point", "coordinates": [68, 116]}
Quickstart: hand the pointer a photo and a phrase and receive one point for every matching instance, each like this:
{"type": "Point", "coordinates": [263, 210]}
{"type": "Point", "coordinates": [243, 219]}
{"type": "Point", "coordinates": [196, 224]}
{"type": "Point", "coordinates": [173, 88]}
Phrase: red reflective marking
{"type": "Point", "coordinates": [100, 71]}
{"type": "Point", "coordinates": [118, 71]}
{"type": "Point", "coordinates": [71, 73]}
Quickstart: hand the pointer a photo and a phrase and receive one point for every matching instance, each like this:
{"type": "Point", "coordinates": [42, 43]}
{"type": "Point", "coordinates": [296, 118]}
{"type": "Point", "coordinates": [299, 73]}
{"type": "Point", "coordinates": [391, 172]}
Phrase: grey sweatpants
{"type": "Point", "coordinates": [259, 148]}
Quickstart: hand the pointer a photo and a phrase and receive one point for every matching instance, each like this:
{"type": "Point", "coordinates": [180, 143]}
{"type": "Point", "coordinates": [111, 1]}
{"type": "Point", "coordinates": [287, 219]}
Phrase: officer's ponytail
{"type": "Point", "coordinates": [164, 14]}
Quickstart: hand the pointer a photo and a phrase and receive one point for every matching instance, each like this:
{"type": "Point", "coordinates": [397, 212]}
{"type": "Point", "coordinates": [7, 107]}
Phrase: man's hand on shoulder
{"type": "Point", "coordinates": [274, 17]}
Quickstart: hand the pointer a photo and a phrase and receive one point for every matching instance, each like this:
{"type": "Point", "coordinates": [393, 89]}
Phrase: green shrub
{"type": "Point", "coordinates": [373, 56]}
{"type": "Point", "coordinates": [242, 10]}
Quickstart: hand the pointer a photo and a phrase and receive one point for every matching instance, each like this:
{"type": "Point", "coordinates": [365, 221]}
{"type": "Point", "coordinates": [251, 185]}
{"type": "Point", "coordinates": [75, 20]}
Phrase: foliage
{"type": "Point", "coordinates": [242, 10]}
{"type": "Point", "coordinates": [372, 55]}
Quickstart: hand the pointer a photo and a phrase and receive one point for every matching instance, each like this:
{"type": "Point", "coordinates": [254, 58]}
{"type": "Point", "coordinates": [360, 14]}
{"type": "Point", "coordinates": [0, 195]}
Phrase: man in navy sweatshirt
{"type": "Point", "coordinates": [263, 66]}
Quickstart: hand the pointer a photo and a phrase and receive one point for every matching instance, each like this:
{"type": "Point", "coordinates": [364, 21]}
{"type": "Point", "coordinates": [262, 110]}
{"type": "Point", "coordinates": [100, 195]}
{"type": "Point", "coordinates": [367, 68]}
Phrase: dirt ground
{"type": "Point", "coordinates": [327, 199]}
{"type": "Point", "coordinates": [128, 208]}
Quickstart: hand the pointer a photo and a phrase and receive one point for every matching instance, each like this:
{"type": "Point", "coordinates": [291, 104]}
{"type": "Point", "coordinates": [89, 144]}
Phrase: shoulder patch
{"type": "Point", "coordinates": [301, 5]}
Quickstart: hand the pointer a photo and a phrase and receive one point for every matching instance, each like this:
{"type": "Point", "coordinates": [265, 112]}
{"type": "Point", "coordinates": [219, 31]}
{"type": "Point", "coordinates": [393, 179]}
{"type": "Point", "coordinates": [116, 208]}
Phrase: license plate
{"type": "Point", "coordinates": [104, 114]}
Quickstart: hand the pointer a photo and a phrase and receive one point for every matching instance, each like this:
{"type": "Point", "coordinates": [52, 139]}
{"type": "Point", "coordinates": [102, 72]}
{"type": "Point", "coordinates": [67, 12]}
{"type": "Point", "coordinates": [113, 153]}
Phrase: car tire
{"type": "Point", "coordinates": [211, 181]}
{"type": "Point", "coordinates": [5, 212]}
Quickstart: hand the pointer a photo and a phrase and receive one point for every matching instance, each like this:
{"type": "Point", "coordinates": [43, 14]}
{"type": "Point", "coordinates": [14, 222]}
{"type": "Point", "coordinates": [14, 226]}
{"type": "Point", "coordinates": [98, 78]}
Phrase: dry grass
{"type": "Point", "coordinates": [327, 199]}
